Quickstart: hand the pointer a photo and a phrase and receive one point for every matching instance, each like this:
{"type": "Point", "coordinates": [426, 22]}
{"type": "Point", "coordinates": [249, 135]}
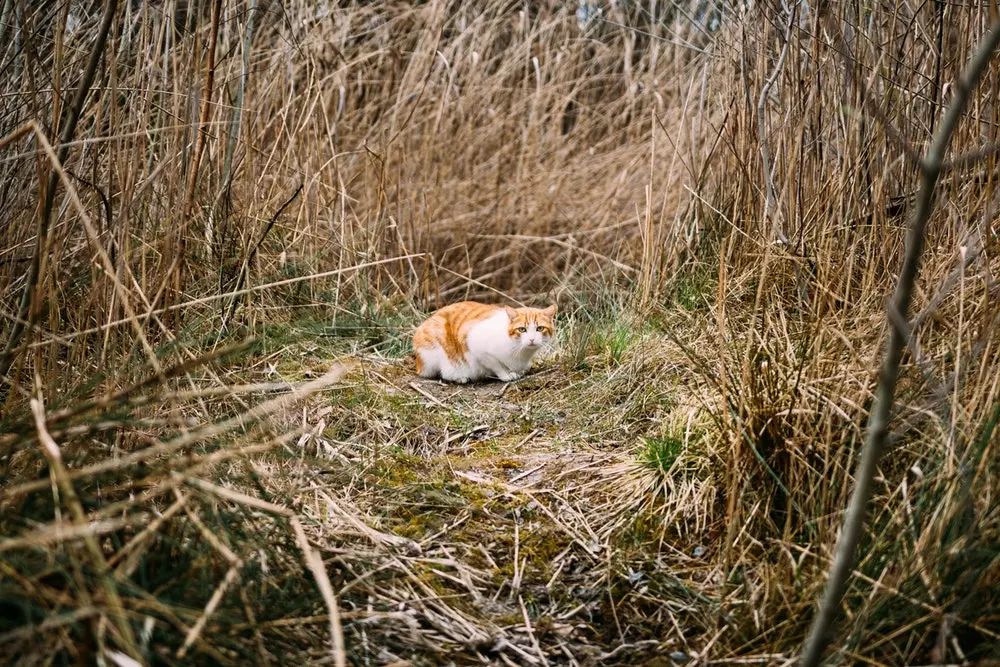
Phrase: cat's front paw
{"type": "Point", "coordinates": [508, 376]}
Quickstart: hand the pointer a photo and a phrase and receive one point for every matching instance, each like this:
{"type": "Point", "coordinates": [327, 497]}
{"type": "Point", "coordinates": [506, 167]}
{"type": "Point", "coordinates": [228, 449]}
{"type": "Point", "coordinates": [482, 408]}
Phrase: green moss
{"type": "Point", "coordinates": [643, 529]}
{"type": "Point", "coordinates": [543, 545]}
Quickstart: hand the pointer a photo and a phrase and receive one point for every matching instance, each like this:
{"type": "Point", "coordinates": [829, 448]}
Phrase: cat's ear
{"type": "Point", "coordinates": [511, 313]}
{"type": "Point", "coordinates": [551, 310]}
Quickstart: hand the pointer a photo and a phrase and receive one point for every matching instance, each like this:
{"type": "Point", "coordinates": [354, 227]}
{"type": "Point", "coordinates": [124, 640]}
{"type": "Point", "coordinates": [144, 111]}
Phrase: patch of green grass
{"type": "Point", "coordinates": [358, 327]}
{"type": "Point", "coordinates": [693, 289]}
{"type": "Point", "coordinates": [606, 341]}
{"type": "Point", "coordinates": [660, 452]}
{"type": "Point", "coordinates": [457, 420]}
{"type": "Point", "coordinates": [615, 341]}
{"type": "Point", "coordinates": [306, 336]}
{"type": "Point", "coordinates": [386, 331]}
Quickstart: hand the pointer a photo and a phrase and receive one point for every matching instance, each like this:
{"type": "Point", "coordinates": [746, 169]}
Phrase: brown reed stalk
{"type": "Point", "coordinates": [174, 280]}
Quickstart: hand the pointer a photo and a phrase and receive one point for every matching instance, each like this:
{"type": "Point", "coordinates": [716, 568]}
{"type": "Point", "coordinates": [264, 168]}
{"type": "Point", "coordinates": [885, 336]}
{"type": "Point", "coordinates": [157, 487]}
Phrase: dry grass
{"type": "Point", "coordinates": [715, 195]}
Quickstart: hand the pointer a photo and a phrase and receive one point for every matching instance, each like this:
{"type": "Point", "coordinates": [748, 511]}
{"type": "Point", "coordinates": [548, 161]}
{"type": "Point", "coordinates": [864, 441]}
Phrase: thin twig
{"type": "Point", "coordinates": [426, 394]}
{"type": "Point", "coordinates": [245, 267]}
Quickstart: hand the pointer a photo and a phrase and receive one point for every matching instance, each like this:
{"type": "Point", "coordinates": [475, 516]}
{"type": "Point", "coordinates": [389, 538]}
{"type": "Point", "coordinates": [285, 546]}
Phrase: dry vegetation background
{"type": "Point", "coordinates": [257, 192]}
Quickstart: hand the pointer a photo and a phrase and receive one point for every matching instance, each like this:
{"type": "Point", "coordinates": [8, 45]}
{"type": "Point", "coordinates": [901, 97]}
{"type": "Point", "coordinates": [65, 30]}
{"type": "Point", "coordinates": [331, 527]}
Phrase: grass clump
{"type": "Point", "coordinates": [659, 453]}
{"type": "Point", "coordinates": [615, 341]}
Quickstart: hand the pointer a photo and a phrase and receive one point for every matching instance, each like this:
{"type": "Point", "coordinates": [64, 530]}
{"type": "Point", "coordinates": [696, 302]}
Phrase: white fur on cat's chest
{"type": "Point", "coordinates": [490, 336]}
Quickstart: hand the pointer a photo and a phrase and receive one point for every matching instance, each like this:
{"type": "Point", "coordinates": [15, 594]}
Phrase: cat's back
{"type": "Point", "coordinates": [463, 313]}
{"type": "Point", "coordinates": [453, 322]}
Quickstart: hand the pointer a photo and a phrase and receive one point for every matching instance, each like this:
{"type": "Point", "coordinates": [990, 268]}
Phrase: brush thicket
{"type": "Point", "coordinates": [716, 194]}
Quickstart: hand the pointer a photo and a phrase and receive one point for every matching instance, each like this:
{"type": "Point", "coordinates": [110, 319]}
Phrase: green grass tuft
{"type": "Point", "coordinates": [659, 453]}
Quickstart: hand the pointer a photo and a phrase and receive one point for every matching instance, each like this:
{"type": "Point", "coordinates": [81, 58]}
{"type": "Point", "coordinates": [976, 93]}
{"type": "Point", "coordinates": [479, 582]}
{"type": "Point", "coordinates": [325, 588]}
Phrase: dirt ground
{"type": "Point", "coordinates": [511, 523]}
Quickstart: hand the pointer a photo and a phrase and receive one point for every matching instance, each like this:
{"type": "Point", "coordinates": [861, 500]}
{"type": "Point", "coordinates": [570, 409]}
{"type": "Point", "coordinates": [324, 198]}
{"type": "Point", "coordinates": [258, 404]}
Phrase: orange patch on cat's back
{"type": "Point", "coordinates": [449, 328]}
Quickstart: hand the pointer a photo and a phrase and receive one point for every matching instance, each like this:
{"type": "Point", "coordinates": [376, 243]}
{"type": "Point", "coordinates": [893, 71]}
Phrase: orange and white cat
{"type": "Point", "coordinates": [470, 341]}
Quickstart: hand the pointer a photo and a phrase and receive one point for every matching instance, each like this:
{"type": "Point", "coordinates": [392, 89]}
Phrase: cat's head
{"type": "Point", "coordinates": [531, 327]}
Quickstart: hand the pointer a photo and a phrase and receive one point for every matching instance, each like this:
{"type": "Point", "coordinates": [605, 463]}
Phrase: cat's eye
{"type": "Point", "coordinates": [522, 329]}
{"type": "Point", "coordinates": [543, 330]}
